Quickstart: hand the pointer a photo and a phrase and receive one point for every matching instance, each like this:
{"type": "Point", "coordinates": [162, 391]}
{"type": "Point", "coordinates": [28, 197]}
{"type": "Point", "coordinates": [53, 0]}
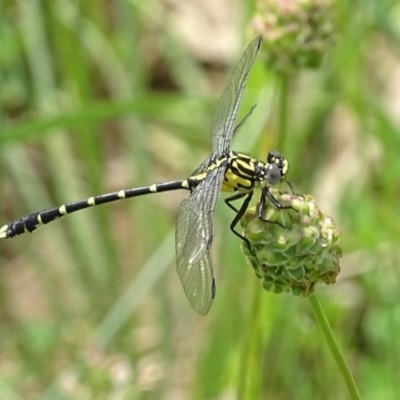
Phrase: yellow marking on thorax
{"type": "Point", "coordinates": [91, 201]}
{"type": "Point", "coordinates": [121, 194]}
{"type": "Point", "coordinates": [235, 183]}
{"type": "Point", "coordinates": [239, 176]}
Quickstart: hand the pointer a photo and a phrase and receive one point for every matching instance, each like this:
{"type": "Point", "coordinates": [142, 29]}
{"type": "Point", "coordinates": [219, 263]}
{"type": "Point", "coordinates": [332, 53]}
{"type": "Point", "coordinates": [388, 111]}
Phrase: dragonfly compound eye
{"type": "Point", "coordinates": [274, 174]}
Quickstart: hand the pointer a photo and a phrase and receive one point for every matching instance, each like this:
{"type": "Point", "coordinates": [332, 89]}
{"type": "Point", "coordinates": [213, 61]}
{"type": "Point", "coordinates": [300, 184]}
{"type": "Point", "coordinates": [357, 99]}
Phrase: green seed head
{"type": "Point", "coordinates": [296, 249]}
{"type": "Point", "coordinates": [296, 33]}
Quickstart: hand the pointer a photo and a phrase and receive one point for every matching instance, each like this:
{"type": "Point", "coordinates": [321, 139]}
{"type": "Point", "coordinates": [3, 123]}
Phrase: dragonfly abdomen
{"type": "Point", "coordinates": [32, 222]}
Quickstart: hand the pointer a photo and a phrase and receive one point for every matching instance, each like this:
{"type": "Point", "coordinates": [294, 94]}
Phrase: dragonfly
{"type": "Point", "coordinates": [222, 171]}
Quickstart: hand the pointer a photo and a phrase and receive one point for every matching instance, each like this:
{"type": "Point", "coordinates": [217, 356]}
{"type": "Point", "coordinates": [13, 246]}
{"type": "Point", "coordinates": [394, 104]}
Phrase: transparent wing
{"type": "Point", "coordinates": [194, 236]}
{"type": "Point", "coordinates": [203, 166]}
{"type": "Point", "coordinates": [223, 124]}
{"type": "Point", "coordinates": [198, 282]}
{"type": "Point", "coordinates": [242, 122]}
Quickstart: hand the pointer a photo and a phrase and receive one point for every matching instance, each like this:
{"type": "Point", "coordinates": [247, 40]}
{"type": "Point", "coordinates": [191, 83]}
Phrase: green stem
{"type": "Point", "coordinates": [334, 348]}
{"type": "Point", "coordinates": [247, 358]}
{"type": "Point", "coordinates": [282, 111]}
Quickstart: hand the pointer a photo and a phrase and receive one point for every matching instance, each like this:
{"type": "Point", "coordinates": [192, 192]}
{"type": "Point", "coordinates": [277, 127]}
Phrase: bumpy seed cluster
{"type": "Point", "coordinates": [296, 33]}
{"type": "Point", "coordinates": [296, 249]}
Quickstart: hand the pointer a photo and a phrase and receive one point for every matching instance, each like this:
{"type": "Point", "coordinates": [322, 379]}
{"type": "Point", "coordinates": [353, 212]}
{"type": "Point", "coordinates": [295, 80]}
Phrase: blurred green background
{"type": "Point", "coordinates": [97, 96]}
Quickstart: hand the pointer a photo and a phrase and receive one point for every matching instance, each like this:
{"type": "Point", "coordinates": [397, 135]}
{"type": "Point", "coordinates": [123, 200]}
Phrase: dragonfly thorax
{"type": "Point", "coordinates": [243, 173]}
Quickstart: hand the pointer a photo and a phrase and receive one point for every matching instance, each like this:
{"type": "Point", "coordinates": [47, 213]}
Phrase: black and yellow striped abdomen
{"type": "Point", "coordinates": [32, 222]}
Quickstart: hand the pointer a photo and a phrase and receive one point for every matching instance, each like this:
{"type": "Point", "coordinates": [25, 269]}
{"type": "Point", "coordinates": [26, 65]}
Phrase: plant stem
{"type": "Point", "coordinates": [247, 381]}
{"type": "Point", "coordinates": [282, 111]}
{"type": "Point", "coordinates": [334, 348]}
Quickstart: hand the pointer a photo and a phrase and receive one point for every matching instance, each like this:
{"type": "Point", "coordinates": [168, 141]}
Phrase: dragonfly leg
{"type": "Point", "coordinates": [261, 206]}
{"type": "Point", "coordinates": [235, 197]}
{"type": "Point", "coordinates": [294, 193]}
{"type": "Point", "coordinates": [239, 214]}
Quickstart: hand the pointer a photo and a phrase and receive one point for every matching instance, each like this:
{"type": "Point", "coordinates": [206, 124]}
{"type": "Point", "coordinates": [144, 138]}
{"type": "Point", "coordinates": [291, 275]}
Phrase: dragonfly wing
{"type": "Point", "coordinates": [194, 237]}
{"type": "Point", "coordinates": [198, 282]}
{"type": "Point", "coordinates": [202, 167]}
{"type": "Point", "coordinates": [223, 125]}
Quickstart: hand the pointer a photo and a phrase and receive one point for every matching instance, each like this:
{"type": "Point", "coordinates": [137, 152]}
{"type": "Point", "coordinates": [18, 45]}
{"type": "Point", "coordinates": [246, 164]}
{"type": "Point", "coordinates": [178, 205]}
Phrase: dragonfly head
{"type": "Point", "coordinates": [277, 168]}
